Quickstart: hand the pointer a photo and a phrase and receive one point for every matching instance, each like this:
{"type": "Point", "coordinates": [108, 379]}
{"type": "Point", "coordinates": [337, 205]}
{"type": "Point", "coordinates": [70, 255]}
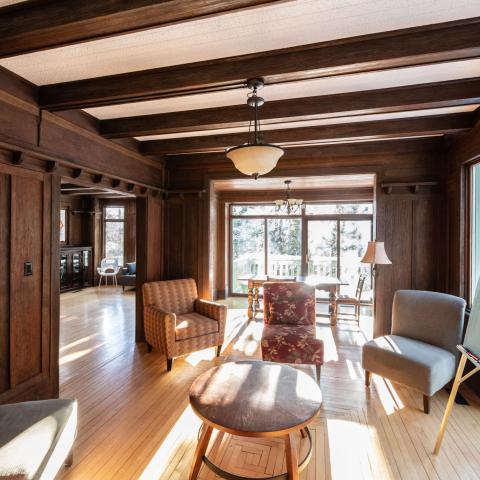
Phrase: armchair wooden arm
{"type": "Point", "coordinates": [160, 329]}
{"type": "Point", "coordinates": [215, 311]}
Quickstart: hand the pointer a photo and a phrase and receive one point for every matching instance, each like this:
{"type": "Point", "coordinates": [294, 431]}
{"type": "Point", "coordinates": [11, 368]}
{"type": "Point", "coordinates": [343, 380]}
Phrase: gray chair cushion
{"type": "Point", "coordinates": [431, 317]}
{"type": "Point", "coordinates": [36, 437]}
{"type": "Point", "coordinates": [410, 362]}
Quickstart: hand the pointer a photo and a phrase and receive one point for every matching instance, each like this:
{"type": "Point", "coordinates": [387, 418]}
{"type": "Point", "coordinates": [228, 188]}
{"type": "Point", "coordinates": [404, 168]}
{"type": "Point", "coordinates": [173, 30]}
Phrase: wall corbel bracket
{"type": "Point", "coordinates": [17, 157]}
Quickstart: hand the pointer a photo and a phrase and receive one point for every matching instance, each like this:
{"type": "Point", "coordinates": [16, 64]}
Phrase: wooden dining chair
{"type": "Point", "coordinates": [354, 301]}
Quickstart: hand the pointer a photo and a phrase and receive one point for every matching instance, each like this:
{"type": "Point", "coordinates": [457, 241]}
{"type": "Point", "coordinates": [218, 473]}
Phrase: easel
{"type": "Point", "coordinates": [466, 355]}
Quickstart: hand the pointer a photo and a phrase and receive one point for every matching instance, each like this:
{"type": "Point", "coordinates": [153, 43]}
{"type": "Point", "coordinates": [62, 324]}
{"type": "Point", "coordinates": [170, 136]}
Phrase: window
{"type": "Point", "coordinates": [338, 208]}
{"type": "Point", "coordinates": [475, 230]}
{"type": "Point", "coordinates": [114, 233]}
{"type": "Point", "coordinates": [284, 247]}
{"type": "Point", "coordinates": [325, 239]}
{"type": "Point", "coordinates": [248, 244]}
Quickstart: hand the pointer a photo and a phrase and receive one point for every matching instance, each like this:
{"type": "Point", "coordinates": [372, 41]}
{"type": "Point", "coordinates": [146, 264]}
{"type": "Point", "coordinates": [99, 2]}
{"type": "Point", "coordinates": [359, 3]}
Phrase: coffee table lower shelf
{"type": "Point", "coordinates": [282, 476]}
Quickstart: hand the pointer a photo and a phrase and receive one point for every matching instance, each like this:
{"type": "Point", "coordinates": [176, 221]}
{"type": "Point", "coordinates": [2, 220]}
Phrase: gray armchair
{"type": "Point", "coordinates": [421, 350]}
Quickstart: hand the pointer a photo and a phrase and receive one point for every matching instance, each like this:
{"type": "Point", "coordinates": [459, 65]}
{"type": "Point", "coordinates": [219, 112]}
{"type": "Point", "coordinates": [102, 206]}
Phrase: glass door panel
{"type": "Point", "coordinates": [322, 248]}
{"type": "Point", "coordinates": [248, 251]}
{"type": "Point", "coordinates": [354, 238]}
{"type": "Point", "coordinates": [284, 247]}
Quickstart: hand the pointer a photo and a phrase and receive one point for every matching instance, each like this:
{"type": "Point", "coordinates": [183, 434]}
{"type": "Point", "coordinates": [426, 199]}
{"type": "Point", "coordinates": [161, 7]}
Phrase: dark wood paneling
{"type": "Point", "coordinates": [415, 46]}
{"type": "Point", "coordinates": [67, 141]}
{"type": "Point", "coordinates": [182, 236]}
{"type": "Point", "coordinates": [420, 126]}
{"type": "Point", "coordinates": [428, 239]}
{"type": "Point", "coordinates": [150, 251]}
{"type": "Point", "coordinates": [26, 245]}
{"type": "Point", "coordinates": [30, 302]}
{"type": "Point", "coordinates": [5, 283]}
{"type": "Point", "coordinates": [53, 342]}
{"type": "Point", "coordinates": [432, 95]}
{"type": "Point", "coordinates": [32, 26]}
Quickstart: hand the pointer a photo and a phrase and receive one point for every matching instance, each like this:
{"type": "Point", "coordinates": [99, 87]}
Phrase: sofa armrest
{"type": "Point", "coordinates": [215, 311]}
{"type": "Point", "coordinates": [160, 329]}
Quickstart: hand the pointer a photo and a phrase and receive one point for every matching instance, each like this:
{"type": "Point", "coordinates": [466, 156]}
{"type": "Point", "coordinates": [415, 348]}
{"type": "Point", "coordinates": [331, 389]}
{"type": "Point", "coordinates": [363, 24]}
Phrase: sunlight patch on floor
{"type": "Point", "coordinates": [249, 342]}
{"type": "Point", "coordinates": [184, 430]}
{"type": "Point", "coordinates": [389, 398]}
{"type": "Point", "coordinates": [346, 440]}
{"type": "Point", "coordinates": [203, 355]}
{"type": "Point", "coordinates": [78, 342]}
{"type": "Point", "coordinates": [71, 357]}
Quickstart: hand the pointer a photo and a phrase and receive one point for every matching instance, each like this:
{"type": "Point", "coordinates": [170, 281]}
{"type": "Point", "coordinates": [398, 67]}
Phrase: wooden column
{"type": "Point", "coordinates": [150, 251]}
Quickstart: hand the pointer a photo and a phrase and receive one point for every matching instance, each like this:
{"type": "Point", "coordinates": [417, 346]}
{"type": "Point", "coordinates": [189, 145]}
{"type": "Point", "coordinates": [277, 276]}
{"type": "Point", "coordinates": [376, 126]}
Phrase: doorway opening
{"type": "Point", "coordinates": [97, 279]}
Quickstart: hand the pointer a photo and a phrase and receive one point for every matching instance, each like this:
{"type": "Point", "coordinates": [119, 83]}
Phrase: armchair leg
{"type": "Point", "coordinates": [367, 378]}
{"type": "Point", "coordinates": [69, 460]}
{"type": "Point", "coordinates": [426, 404]}
{"type": "Point", "coordinates": [169, 364]}
{"type": "Point", "coordinates": [219, 349]}
{"type": "Point", "coordinates": [318, 370]}
{"type": "Point", "coordinates": [149, 347]}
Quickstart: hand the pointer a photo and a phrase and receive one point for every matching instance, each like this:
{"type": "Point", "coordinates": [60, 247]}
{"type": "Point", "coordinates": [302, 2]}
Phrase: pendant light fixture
{"type": "Point", "coordinates": [289, 205]}
{"type": "Point", "coordinates": [255, 157]}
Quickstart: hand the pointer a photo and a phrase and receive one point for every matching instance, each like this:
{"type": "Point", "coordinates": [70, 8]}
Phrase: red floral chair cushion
{"type": "Point", "coordinates": [289, 335]}
{"type": "Point", "coordinates": [289, 303]}
{"type": "Point", "coordinates": [292, 344]}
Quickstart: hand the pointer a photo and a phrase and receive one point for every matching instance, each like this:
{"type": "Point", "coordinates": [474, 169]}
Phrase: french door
{"type": "Point", "coordinates": [322, 240]}
{"type": "Point", "coordinates": [334, 248]}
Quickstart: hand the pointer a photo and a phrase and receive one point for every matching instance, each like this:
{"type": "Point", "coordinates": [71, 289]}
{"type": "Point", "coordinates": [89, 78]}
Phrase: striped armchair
{"type": "Point", "coordinates": [177, 322]}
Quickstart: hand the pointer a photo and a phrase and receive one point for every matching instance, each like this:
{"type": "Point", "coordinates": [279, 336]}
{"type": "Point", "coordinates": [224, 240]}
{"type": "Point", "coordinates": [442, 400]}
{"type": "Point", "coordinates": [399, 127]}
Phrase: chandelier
{"type": "Point", "coordinates": [288, 204]}
{"type": "Point", "coordinates": [255, 157]}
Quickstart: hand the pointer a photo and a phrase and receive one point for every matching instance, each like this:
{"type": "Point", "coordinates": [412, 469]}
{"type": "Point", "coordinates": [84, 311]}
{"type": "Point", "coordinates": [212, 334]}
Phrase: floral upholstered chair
{"type": "Point", "coordinates": [177, 322]}
{"type": "Point", "coordinates": [289, 335]}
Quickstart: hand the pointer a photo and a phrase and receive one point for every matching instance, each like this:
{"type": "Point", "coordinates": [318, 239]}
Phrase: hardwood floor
{"type": "Point", "coordinates": [135, 422]}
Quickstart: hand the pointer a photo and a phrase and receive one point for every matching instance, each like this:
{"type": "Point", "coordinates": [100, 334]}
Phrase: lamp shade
{"type": "Point", "coordinates": [255, 159]}
{"type": "Point", "coordinates": [376, 254]}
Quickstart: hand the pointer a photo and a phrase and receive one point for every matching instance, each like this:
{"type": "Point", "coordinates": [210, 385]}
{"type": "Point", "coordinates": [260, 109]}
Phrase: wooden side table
{"type": "Point", "coordinates": [255, 399]}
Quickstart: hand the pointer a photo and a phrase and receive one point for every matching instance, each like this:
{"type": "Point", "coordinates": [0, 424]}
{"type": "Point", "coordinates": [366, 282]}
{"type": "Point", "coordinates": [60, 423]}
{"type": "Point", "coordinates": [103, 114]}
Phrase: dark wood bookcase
{"type": "Point", "coordinates": [76, 268]}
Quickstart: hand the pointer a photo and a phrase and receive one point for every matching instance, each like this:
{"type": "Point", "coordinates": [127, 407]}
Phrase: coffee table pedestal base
{"type": "Point", "coordinates": [291, 455]}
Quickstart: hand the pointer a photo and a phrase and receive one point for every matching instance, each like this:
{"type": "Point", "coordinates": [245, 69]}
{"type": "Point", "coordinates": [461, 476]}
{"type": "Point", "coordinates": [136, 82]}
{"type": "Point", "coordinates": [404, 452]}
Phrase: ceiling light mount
{"type": "Point", "coordinates": [255, 157]}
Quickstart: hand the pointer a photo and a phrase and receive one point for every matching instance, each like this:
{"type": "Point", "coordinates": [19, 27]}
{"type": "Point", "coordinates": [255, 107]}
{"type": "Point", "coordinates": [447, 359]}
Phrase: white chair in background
{"type": "Point", "coordinates": [108, 268]}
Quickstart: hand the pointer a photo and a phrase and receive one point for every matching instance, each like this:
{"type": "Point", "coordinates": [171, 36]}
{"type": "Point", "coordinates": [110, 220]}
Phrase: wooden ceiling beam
{"type": "Point", "coordinates": [432, 95]}
{"type": "Point", "coordinates": [404, 127]}
{"type": "Point", "coordinates": [401, 48]}
{"type": "Point", "coordinates": [35, 25]}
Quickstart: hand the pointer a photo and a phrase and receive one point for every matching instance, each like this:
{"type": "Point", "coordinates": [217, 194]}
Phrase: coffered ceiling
{"type": "Point", "coordinates": [171, 76]}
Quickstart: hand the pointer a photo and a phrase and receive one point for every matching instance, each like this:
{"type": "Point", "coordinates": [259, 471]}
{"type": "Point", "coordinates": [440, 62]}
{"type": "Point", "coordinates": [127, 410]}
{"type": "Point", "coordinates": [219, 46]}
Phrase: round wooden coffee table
{"type": "Point", "coordinates": [255, 399]}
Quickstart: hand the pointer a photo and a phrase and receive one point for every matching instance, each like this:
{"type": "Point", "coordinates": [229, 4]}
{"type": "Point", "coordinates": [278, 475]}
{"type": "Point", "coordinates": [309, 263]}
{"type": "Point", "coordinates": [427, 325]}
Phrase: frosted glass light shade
{"type": "Point", "coordinates": [376, 254]}
{"type": "Point", "coordinates": [255, 159]}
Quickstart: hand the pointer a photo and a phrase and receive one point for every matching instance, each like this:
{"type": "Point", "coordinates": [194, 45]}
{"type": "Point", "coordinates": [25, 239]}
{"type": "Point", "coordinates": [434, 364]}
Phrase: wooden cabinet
{"type": "Point", "coordinates": [76, 268]}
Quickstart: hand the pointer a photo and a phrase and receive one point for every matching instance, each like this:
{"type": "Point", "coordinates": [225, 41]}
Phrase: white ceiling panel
{"type": "Point", "coordinates": [321, 86]}
{"type": "Point", "coordinates": [313, 123]}
{"type": "Point", "coordinates": [302, 183]}
{"type": "Point", "coordinates": [288, 24]}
